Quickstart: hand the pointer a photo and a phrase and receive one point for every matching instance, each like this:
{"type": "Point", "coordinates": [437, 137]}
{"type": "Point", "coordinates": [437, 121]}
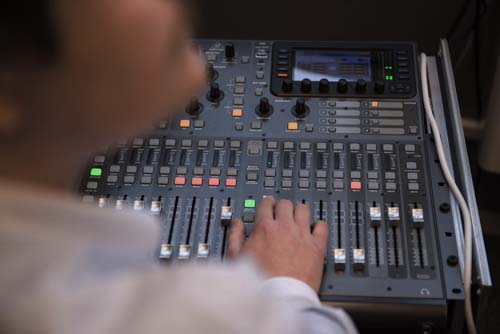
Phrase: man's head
{"type": "Point", "coordinates": [82, 73]}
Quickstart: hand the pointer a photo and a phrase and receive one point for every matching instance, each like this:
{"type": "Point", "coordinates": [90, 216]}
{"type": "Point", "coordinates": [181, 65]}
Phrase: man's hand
{"type": "Point", "coordinates": [282, 242]}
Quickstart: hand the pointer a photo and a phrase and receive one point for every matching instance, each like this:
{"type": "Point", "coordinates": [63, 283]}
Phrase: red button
{"type": "Point", "coordinates": [214, 182]}
{"type": "Point", "coordinates": [196, 181]}
{"type": "Point", "coordinates": [180, 181]}
{"type": "Point", "coordinates": [231, 183]}
{"type": "Point", "coordinates": [355, 185]}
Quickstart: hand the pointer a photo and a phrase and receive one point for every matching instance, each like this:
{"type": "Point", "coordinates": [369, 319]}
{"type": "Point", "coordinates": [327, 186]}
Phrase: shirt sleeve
{"type": "Point", "coordinates": [303, 305]}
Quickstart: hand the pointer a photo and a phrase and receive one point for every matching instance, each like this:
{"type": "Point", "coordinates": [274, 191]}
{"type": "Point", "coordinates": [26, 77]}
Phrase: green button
{"type": "Point", "coordinates": [250, 204]}
{"type": "Point", "coordinates": [96, 172]}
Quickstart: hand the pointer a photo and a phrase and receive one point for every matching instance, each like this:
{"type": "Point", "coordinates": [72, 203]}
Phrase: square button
{"type": "Point", "coordinates": [215, 171]}
{"type": "Point", "coordinates": [131, 169]}
{"type": "Point", "coordinates": [186, 143]}
{"type": "Point", "coordinates": [239, 90]}
{"type": "Point", "coordinates": [373, 185]}
{"type": "Point", "coordinates": [238, 101]}
{"type": "Point", "coordinates": [170, 142]}
{"type": "Point", "coordinates": [250, 204]}
{"type": "Point", "coordinates": [286, 184]}
{"type": "Point", "coordinates": [232, 172]}
{"type": "Point", "coordinates": [411, 165]}
{"type": "Point", "coordinates": [96, 172]}
{"type": "Point", "coordinates": [252, 176]}
{"type": "Point", "coordinates": [231, 183]}
{"type": "Point", "coordinates": [356, 185]}
{"type": "Point", "coordinates": [305, 146]}
{"type": "Point", "coordinates": [321, 146]}
{"type": "Point", "coordinates": [373, 175]}
{"type": "Point", "coordinates": [112, 179]}
{"type": "Point", "coordinates": [165, 170]}
{"type": "Point", "coordinates": [181, 170]}
{"type": "Point", "coordinates": [321, 174]}
{"type": "Point", "coordinates": [203, 143]}
{"type": "Point", "coordinates": [321, 184]}
{"type": "Point", "coordinates": [304, 184]}
{"type": "Point", "coordinates": [163, 180]}
{"type": "Point", "coordinates": [148, 169]}
{"type": "Point", "coordinates": [287, 173]}
{"type": "Point", "coordinates": [293, 126]}
{"type": "Point", "coordinates": [338, 174]}
{"type": "Point", "coordinates": [237, 113]}
{"type": "Point", "coordinates": [214, 182]}
{"type": "Point", "coordinates": [129, 179]}
{"type": "Point", "coordinates": [272, 145]}
{"type": "Point", "coordinates": [390, 186]}
{"type": "Point", "coordinates": [374, 104]}
{"type": "Point", "coordinates": [219, 144]}
{"type": "Point", "coordinates": [198, 171]}
{"type": "Point", "coordinates": [338, 147]}
{"type": "Point", "coordinates": [235, 144]}
{"type": "Point", "coordinates": [256, 125]}
{"type": "Point", "coordinates": [100, 159]}
{"type": "Point", "coordinates": [146, 179]}
{"type": "Point", "coordinates": [390, 175]}
{"type": "Point", "coordinates": [304, 173]}
{"type": "Point", "coordinates": [354, 147]}
{"type": "Point", "coordinates": [185, 123]}
{"type": "Point", "coordinates": [355, 175]}
{"type": "Point", "coordinates": [410, 148]}
{"type": "Point", "coordinates": [92, 185]}
{"type": "Point", "coordinates": [388, 147]}
{"type": "Point", "coordinates": [270, 172]}
{"type": "Point", "coordinates": [413, 187]}
{"type": "Point", "coordinates": [412, 176]}
{"type": "Point", "coordinates": [196, 181]}
{"type": "Point", "coordinates": [180, 181]}
{"type": "Point", "coordinates": [288, 145]}
{"type": "Point", "coordinates": [240, 79]}
{"type": "Point", "coordinates": [371, 147]}
{"type": "Point", "coordinates": [199, 124]}
{"type": "Point", "coordinates": [269, 183]}
{"type": "Point", "coordinates": [154, 142]}
{"type": "Point", "coordinates": [114, 169]}
{"type": "Point", "coordinates": [338, 185]}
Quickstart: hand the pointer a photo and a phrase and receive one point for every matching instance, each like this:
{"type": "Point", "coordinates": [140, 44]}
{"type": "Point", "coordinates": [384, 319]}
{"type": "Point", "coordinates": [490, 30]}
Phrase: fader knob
{"type": "Point", "coordinates": [324, 86]}
{"type": "Point", "coordinates": [306, 86]}
{"type": "Point", "coordinates": [194, 107]}
{"type": "Point", "coordinates": [215, 94]}
{"type": "Point", "coordinates": [361, 86]}
{"type": "Point", "coordinates": [264, 109]}
{"type": "Point", "coordinates": [287, 85]}
{"type": "Point", "coordinates": [211, 72]}
{"type": "Point", "coordinates": [230, 51]}
{"type": "Point", "coordinates": [301, 109]}
{"type": "Point", "coordinates": [342, 86]}
{"type": "Point", "coordinates": [379, 87]}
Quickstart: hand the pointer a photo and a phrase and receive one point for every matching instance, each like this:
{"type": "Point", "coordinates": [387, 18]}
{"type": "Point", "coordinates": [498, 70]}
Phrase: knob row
{"type": "Point", "coordinates": [324, 86]}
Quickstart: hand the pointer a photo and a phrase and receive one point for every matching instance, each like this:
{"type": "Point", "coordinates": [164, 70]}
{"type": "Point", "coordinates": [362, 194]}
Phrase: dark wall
{"type": "Point", "coordinates": [422, 21]}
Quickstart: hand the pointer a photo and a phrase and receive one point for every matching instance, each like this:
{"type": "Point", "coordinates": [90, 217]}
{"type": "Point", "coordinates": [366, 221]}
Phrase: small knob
{"type": "Point", "coordinates": [215, 94]}
{"type": "Point", "coordinates": [211, 72]}
{"type": "Point", "coordinates": [306, 86]}
{"type": "Point", "coordinates": [264, 109]}
{"type": "Point", "coordinates": [342, 86]}
{"type": "Point", "coordinates": [301, 109]}
{"type": "Point", "coordinates": [287, 85]}
{"type": "Point", "coordinates": [361, 86]}
{"type": "Point", "coordinates": [324, 86]}
{"type": "Point", "coordinates": [379, 87]}
{"type": "Point", "coordinates": [230, 50]}
{"type": "Point", "coordinates": [194, 107]}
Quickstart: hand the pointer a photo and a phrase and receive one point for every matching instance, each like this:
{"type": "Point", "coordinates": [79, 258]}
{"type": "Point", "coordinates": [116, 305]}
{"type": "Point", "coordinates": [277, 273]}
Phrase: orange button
{"type": "Point", "coordinates": [180, 181]}
{"type": "Point", "coordinates": [374, 104]}
{"type": "Point", "coordinates": [355, 185]}
{"type": "Point", "coordinates": [185, 123]}
{"type": "Point", "coordinates": [237, 113]}
{"type": "Point", "coordinates": [196, 181]}
{"type": "Point", "coordinates": [214, 182]}
{"type": "Point", "coordinates": [282, 75]}
{"type": "Point", "coordinates": [293, 126]}
{"type": "Point", "coordinates": [231, 183]}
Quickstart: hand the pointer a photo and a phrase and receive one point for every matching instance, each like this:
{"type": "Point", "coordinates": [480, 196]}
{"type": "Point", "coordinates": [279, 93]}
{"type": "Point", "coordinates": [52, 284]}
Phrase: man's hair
{"type": "Point", "coordinates": [26, 31]}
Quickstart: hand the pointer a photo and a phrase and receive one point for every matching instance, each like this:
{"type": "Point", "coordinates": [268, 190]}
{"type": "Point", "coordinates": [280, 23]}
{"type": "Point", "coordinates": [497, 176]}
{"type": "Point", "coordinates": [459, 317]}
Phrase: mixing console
{"type": "Point", "coordinates": [338, 126]}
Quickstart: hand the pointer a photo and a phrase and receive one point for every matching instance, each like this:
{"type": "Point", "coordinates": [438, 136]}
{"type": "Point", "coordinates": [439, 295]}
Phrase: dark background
{"type": "Point", "coordinates": [473, 30]}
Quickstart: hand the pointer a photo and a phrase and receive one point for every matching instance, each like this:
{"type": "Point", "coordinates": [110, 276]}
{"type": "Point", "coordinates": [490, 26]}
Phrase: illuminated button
{"type": "Point", "coordinates": [356, 185]}
{"type": "Point", "coordinates": [97, 172]}
{"type": "Point", "coordinates": [213, 182]}
{"type": "Point", "coordinates": [185, 123]}
{"type": "Point", "coordinates": [237, 113]}
{"type": "Point", "coordinates": [293, 126]}
{"type": "Point", "coordinates": [231, 183]}
{"type": "Point", "coordinates": [374, 104]}
{"type": "Point", "coordinates": [282, 75]}
{"type": "Point", "coordinates": [196, 181]}
{"type": "Point", "coordinates": [250, 204]}
{"type": "Point", "coordinates": [180, 181]}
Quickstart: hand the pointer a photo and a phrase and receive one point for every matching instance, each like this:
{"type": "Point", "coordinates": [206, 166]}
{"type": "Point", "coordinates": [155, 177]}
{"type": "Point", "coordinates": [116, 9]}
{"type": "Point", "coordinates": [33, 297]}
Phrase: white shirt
{"type": "Point", "coordinates": [69, 268]}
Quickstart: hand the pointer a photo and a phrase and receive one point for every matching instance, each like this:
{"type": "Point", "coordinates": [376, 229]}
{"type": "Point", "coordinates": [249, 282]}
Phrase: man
{"type": "Point", "coordinates": [75, 75]}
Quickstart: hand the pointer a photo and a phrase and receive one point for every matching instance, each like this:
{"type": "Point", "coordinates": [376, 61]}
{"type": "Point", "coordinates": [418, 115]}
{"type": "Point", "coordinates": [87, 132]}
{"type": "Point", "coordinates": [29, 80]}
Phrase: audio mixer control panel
{"type": "Point", "coordinates": [338, 126]}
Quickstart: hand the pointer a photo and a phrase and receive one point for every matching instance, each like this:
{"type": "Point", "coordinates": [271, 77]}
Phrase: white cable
{"type": "Point", "coordinates": [469, 318]}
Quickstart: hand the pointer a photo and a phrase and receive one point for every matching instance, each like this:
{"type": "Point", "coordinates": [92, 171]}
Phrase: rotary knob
{"type": "Point", "coordinates": [230, 51]}
{"type": "Point", "coordinates": [342, 86]}
{"type": "Point", "coordinates": [324, 86]}
{"type": "Point", "coordinates": [215, 94]}
{"type": "Point", "coordinates": [301, 109]}
{"type": "Point", "coordinates": [361, 86]}
{"type": "Point", "coordinates": [194, 108]}
{"type": "Point", "coordinates": [287, 85]}
{"type": "Point", "coordinates": [306, 86]}
{"type": "Point", "coordinates": [264, 109]}
{"type": "Point", "coordinates": [379, 87]}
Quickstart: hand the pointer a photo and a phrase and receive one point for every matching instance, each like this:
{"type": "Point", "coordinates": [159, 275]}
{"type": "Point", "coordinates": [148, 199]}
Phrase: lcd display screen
{"type": "Point", "coordinates": [332, 65]}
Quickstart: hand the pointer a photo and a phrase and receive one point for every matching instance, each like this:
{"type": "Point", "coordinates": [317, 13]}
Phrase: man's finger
{"type": "Point", "coordinates": [320, 234]}
{"type": "Point", "coordinates": [303, 217]}
{"type": "Point", "coordinates": [284, 211]}
{"type": "Point", "coordinates": [236, 238]}
{"type": "Point", "coordinates": [265, 211]}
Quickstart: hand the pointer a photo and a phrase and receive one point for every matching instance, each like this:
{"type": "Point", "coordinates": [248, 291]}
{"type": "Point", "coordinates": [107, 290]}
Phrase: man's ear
{"type": "Point", "coordinates": [9, 117]}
